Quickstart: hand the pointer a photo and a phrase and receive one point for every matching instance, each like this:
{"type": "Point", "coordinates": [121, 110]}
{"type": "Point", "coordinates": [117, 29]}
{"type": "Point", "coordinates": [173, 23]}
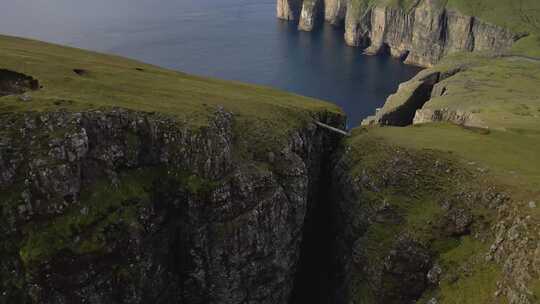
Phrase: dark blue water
{"type": "Point", "coordinates": [230, 39]}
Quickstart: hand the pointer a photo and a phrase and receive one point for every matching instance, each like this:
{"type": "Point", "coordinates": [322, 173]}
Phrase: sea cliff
{"type": "Point", "coordinates": [421, 34]}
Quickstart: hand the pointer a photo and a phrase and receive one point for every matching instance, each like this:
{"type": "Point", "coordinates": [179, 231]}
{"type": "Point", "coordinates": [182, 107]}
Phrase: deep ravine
{"type": "Point", "coordinates": [315, 280]}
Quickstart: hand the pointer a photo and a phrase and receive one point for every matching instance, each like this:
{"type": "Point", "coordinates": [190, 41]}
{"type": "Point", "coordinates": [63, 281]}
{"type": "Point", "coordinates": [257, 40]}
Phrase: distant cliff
{"type": "Point", "coordinates": [420, 35]}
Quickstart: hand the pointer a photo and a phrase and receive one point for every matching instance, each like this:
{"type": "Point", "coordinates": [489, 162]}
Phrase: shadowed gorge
{"type": "Point", "coordinates": [315, 279]}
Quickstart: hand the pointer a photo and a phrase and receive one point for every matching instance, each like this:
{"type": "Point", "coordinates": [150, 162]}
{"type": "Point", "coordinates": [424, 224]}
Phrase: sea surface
{"type": "Point", "coordinates": [230, 39]}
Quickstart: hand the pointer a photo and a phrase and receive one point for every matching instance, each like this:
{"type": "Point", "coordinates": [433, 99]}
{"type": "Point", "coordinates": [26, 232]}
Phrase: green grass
{"type": "Point", "coordinates": [502, 92]}
{"type": "Point", "coordinates": [528, 46]}
{"type": "Point", "coordinates": [475, 280]}
{"type": "Point", "coordinates": [511, 156]}
{"type": "Point", "coordinates": [118, 82]}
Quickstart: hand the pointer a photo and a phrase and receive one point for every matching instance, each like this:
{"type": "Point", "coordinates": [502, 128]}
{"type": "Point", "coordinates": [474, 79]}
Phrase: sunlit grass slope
{"type": "Point", "coordinates": [111, 81]}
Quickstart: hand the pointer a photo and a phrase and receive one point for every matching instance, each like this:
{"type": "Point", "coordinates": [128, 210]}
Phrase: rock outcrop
{"type": "Point", "coordinates": [458, 117]}
{"type": "Point", "coordinates": [405, 106]}
{"type": "Point", "coordinates": [288, 9]}
{"type": "Point", "coordinates": [119, 206]}
{"type": "Point", "coordinates": [425, 34]}
{"type": "Point", "coordinates": [311, 9]}
{"type": "Point", "coordinates": [335, 11]}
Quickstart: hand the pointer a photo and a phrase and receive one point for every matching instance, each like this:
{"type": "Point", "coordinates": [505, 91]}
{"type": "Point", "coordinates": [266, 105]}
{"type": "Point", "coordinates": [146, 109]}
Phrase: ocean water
{"type": "Point", "coordinates": [230, 39]}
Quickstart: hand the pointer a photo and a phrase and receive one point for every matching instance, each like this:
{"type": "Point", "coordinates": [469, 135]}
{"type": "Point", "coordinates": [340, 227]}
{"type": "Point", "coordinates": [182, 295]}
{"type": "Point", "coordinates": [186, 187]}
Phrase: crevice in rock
{"type": "Point", "coordinates": [404, 115]}
{"type": "Point", "coordinates": [315, 280]}
{"type": "Point", "coordinates": [295, 7]}
{"type": "Point", "coordinates": [472, 39]}
{"type": "Point", "coordinates": [421, 91]}
{"type": "Point", "coordinates": [443, 34]}
{"type": "Point", "coordinates": [384, 50]}
{"type": "Point", "coordinates": [403, 57]}
{"type": "Point", "coordinates": [12, 83]}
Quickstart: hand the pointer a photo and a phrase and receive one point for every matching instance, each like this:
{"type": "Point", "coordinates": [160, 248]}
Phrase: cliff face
{"type": "Point", "coordinates": [288, 9]}
{"type": "Point", "coordinates": [308, 11]}
{"type": "Point", "coordinates": [420, 36]}
{"type": "Point", "coordinates": [427, 33]}
{"type": "Point", "coordinates": [131, 207]}
{"type": "Point", "coordinates": [335, 11]}
{"type": "Point", "coordinates": [311, 9]}
{"type": "Point", "coordinates": [405, 106]}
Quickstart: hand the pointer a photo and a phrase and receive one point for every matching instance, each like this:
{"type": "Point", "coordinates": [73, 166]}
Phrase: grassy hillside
{"type": "Point", "coordinates": [503, 92]}
{"type": "Point", "coordinates": [416, 186]}
{"type": "Point", "coordinates": [109, 81]}
{"type": "Point", "coordinates": [517, 15]}
{"type": "Point", "coordinates": [443, 162]}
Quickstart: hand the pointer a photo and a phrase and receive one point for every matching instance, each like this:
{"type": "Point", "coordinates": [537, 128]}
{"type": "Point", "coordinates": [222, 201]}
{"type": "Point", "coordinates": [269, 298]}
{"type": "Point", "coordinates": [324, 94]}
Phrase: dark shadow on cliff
{"type": "Point", "coordinates": [315, 279]}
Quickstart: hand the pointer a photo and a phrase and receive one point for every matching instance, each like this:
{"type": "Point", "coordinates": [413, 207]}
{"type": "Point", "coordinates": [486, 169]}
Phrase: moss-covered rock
{"type": "Point", "coordinates": [418, 225]}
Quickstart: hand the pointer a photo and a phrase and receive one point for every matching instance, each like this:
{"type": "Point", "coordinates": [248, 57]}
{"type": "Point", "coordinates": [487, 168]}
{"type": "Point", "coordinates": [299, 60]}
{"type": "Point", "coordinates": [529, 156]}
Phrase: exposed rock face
{"type": "Point", "coordinates": [357, 25]}
{"type": "Point", "coordinates": [334, 11]}
{"type": "Point", "coordinates": [399, 109]}
{"type": "Point", "coordinates": [307, 11]}
{"type": "Point", "coordinates": [311, 9]}
{"type": "Point", "coordinates": [420, 36]}
{"type": "Point", "coordinates": [425, 34]}
{"type": "Point", "coordinates": [288, 9]}
{"type": "Point", "coordinates": [405, 106]}
{"type": "Point", "coordinates": [128, 207]}
{"type": "Point", "coordinates": [405, 271]}
{"type": "Point", "coordinates": [458, 117]}
{"type": "Point", "coordinates": [409, 105]}
{"type": "Point", "coordinates": [517, 248]}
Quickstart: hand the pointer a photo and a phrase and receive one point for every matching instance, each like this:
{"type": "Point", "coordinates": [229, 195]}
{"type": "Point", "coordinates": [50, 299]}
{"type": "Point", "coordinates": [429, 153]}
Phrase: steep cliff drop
{"type": "Point", "coordinates": [403, 107]}
{"type": "Point", "coordinates": [315, 280]}
{"type": "Point", "coordinates": [421, 34]}
{"type": "Point", "coordinates": [311, 12]}
{"type": "Point", "coordinates": [289, 9]}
